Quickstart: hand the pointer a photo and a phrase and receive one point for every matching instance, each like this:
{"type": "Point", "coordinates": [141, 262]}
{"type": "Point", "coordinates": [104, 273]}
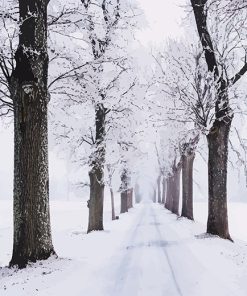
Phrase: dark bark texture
{"type": "Point", "coordinates": [96, 174]}
{"type": "Point", "coordinates": [32, 231]}
{"type": "Point", "coordinates": [173, 189]}
{"type": "Point", "coordinates": [187, 185]}
{"type": "Point", "coordinates": [217, 172]}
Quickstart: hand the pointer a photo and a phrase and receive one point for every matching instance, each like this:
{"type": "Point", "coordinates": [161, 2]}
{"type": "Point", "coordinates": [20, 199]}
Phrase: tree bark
{"type": "Point", "coordinates": [176, 190]}
{"type": "Point", "coordinates": [158, 189]}
{"type": "Point", "coordinates": [32, 231]}
{"type": "Point", "coordinates": [124, 191]}
{"type": "Point", "coordinates": [124, 202]}
{"type": "Point", "coordinates": [96, 174]}
{"type": "Point", "coordinates": [217, 172]}
{"type": "Point", "coordinates": [187, 181]}
{"type": "Point", "coordinates": [113, 215]}
{"type": "Point", "coordinates": [130, 198]}
{"type": "Point", "coordinates": [173, 190]}
{"type": "Point", "coordinates": [219, 134]}
{"type": "Point", "coordinates": [168, 200]}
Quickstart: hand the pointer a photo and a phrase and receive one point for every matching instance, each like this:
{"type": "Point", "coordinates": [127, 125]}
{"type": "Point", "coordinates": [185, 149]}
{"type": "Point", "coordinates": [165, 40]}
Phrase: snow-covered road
{"type": "Point", "coordinates": [155, 260]}
{"type": "Point", "coordinates": [147, 252]}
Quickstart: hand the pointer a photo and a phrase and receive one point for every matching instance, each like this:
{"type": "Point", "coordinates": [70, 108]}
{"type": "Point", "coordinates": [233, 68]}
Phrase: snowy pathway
{"type": "Point", "coordinates": [154, 260]}
{"type": "Point", "coordinates": [148, 252]}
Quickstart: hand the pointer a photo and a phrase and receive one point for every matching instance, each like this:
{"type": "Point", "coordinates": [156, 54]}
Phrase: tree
{"type": "Point", "coordinates": [111, 170]}
{"type": "Point", "coordinates": [29, 93]}
{"type": "Point", "coordinates": [188, 156]}
{"type": "Point", "coordinates": [218, 135]}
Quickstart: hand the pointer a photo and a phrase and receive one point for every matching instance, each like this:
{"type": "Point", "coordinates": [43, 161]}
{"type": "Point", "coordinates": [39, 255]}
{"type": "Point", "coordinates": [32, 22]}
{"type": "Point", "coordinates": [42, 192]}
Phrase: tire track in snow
{"type": "Point", "coordinates": [156, 223]}
{"type": "Point", "coordinates": [139, 245]}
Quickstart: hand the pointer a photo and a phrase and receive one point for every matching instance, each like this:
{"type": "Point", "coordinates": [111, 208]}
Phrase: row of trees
{"type": "Point", "coordinates": [105, 105]}
{"type": "Point", "coordinates": [86, 78]}
{"type": "Point", "coordinates": [201, 81]}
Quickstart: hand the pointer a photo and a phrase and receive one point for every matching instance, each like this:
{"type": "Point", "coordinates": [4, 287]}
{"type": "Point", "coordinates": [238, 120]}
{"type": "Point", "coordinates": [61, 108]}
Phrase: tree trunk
{"type": "Point", "coordinates": [96, 174]}
{"type": "Point", "coordinates": [126, 191]}
{"type": "Point", "coordinates": [168, 200]}
{"type": "Point", "coordinates": [164, 189]}
{"type": "Point", "coordinates": [32, 231]}
{"type": "Point", "coordinates": [130, 198]}
{"type": "Point", "coordinates": [113, 215]}
{"type": "Point", "coordinates": [217, 173]}
{"type": "Point", "coordinates": [154, 195]}
{"type": "Point", "coordinates": [158, 189]}
{"type": "Point", "coordinates": [173, 190]}
{"type": "Point", "coordinates": [124, 202]}
{"type": "Point", "coordinates": [176, 190]}
{"type": "Point", "coordinates": [187, 180]}
{"type": "Point", "coordinates": [137, 193]}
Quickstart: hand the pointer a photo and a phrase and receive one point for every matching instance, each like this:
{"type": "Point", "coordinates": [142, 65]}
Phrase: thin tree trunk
{"type": "Point", "coordinates": [113, 215]}
{"type": "Point", "coordinates": [154, 195]}
{"type": "Point", "coordinates": [96, 174]}
{"type": "Point", "coordinates": [168, 200]}
{"type": "Point", "coordinates": [164, 189]}
{"type": "Point", "coordinates": [187, 180]}
{"type": "Point", "coordinates": [137, 193]}
{"type": "Point", "coordinates": [130, 196]}
{"type": "Point", "coordinates": [124, 202]}
{"type": "Point", "coordinates": [159, 190]}
{"type": "Point", "coordinates": [124, 191]}
{"type": "Point", "coordinates": [32, 231]}
{"type": "Point", "coordinates": [176, 190]}
{"type": "Point", "coordinates": [217, 172]}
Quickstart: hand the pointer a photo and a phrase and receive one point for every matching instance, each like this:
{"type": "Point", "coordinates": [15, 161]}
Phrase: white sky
{"type": "Point", "coordinates": [164, 19]}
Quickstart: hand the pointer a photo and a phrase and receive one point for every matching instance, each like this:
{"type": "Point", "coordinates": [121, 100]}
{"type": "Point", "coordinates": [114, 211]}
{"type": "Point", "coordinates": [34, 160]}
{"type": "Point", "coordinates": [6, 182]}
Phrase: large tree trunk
{"type": "Point", "coordinates": [217, 172]}
{"type": "Point", "coordinates": [176, 190]}
{"type": "Point", "coordinates": [187, 180]}
{"type": "Point", "coordinates": [32, 231]}
{"type": "Point", "coordinates": [219, 134]}
{"type": "Point", "coordinates": [96, 174]}
{"type": "Point", "coordinates": [158, 189]}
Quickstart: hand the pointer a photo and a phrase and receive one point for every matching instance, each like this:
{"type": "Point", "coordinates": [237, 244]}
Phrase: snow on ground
{"type": "Point", "coordinates": [147, 252]}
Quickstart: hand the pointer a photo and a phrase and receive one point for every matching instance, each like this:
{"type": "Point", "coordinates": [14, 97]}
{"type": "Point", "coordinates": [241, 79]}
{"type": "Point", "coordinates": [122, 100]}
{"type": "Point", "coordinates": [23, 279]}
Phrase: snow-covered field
{"type": "Point", "coordinates": [147, 252]}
